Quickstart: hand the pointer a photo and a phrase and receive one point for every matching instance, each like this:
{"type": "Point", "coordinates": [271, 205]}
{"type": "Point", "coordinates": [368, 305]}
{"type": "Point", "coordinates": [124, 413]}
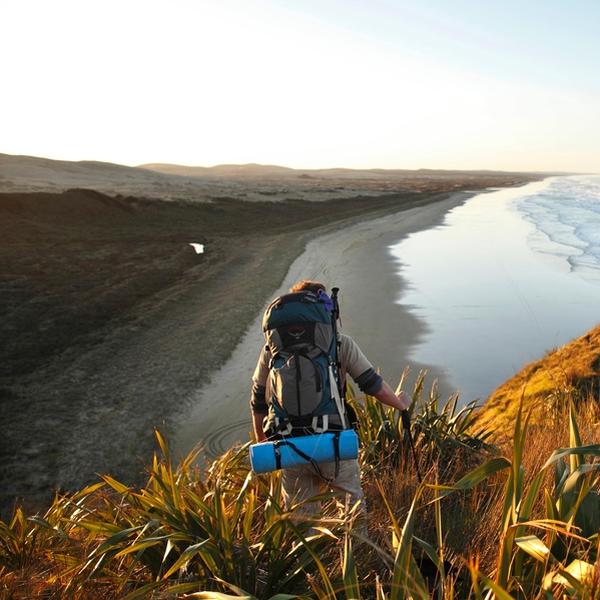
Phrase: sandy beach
{"type": "Point", "coordinates": [356, 259]}
{"type": "Point", "coordinates": [113, 326]}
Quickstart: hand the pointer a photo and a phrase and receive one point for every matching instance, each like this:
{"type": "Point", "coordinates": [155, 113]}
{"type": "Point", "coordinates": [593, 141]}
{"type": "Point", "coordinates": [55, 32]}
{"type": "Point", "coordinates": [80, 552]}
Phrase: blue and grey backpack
{"type": "Point", "coordinates": [303, 388]}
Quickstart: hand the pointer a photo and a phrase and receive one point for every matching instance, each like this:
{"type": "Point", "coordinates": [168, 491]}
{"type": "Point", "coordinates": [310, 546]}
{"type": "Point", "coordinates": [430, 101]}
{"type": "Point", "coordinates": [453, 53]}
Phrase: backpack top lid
{"type": "Point", "coordinates": [299, 319]}
{"type": "Point", "coordinates": [297, 307]}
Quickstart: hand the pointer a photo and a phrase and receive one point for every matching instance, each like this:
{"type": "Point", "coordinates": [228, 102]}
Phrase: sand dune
{"type": "Point", "coordinates": [251, 182]}
{"type": "Point", "coordinates": [32, 174]}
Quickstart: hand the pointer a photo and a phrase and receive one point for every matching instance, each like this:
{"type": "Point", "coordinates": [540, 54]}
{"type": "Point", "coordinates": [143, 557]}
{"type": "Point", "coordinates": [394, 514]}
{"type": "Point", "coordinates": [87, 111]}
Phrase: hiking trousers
{"type": "Point", "coordinates": [301, 483]}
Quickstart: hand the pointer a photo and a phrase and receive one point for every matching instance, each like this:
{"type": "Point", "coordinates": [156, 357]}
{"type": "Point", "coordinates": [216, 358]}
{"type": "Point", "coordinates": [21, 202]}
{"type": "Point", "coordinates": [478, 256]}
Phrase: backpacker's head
{"type": "Point", "coordinates": [306, 285]}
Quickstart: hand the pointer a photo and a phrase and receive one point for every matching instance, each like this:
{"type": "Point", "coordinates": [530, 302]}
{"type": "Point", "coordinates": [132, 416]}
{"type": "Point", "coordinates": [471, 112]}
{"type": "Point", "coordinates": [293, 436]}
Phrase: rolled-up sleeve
{"type": "Point", "coordinates": [258, 402]}
{"type": "Point", "coordinates": [358, 366]}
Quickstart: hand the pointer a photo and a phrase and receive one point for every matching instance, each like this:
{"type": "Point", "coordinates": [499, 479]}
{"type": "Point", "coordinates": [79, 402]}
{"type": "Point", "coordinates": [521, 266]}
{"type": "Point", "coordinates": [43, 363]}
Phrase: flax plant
{"type": "Point", "coordinates": [485, 523]}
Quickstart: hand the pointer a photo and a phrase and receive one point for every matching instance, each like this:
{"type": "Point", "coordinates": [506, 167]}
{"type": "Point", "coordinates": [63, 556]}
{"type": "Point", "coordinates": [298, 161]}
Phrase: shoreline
{"type": "Point", "coordinates": [356, 258]}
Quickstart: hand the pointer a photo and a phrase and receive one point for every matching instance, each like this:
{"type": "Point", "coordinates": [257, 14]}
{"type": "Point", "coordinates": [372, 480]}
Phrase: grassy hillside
{"type": "Point", "coordinates": [515, 520]}
{"type": "Point", "coordinates": [572, 371]}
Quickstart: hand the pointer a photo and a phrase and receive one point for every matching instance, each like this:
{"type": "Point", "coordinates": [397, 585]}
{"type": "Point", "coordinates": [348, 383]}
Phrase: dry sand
{"type": "Point", "coordinates": [356, 259]}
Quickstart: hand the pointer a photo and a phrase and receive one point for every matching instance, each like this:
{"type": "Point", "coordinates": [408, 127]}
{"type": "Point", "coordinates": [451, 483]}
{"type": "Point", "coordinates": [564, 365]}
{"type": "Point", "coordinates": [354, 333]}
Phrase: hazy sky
{"type": "Point", "coordinates": [308, 83]}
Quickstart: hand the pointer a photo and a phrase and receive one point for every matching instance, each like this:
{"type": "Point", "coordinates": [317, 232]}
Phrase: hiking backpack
{"type": "Point", "coordinates": [303, 390]}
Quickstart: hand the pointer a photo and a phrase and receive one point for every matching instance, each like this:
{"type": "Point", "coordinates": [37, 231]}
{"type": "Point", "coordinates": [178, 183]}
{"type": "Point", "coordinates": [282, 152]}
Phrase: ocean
{"type": "Point", "coordinates": [508, 276]}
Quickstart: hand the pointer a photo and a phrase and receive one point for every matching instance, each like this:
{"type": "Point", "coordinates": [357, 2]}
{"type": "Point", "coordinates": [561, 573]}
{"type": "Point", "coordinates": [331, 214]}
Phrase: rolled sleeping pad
{"type": "Point", "coordinates": [320, 447]}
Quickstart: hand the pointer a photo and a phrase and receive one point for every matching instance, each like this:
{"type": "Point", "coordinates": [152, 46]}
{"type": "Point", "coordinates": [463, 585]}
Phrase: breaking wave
{"type": "Point", "coordinates": [566, 215]}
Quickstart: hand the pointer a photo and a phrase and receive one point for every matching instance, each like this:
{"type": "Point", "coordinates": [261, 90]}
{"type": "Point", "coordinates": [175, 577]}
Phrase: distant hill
{"type": "Point", "coordinates": [249, 182]}
{"type": "Point", "coordinates": [248, 170]}
{"type": "Point", "coordinates": [35, 174]}
{"type": "Point", "coordinates": [573, 369]}
{"type": "Point", "coordinates": [252, 170]}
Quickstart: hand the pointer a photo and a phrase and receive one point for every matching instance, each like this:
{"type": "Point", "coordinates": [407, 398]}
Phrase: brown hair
{"type": "Point", "coordinates": [308, 285]}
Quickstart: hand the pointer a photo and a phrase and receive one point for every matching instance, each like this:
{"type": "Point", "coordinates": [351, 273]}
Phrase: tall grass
{"type": "Point", "coordinates": [516, 521]}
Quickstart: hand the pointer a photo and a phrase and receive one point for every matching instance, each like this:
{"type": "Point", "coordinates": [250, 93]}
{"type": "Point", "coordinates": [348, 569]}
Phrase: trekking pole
{"type": "Point", "coordinates": [336, 308]}
{"type": "Point", "coordinates": [335, 315]}
{"type": "Point", "coordinates": [406, 425]}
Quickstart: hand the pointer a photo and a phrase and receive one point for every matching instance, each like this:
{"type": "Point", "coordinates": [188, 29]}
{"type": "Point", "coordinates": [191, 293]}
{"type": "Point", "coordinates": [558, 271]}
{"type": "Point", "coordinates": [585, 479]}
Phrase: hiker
{"type": "Point", "coordinates": [303, 482]}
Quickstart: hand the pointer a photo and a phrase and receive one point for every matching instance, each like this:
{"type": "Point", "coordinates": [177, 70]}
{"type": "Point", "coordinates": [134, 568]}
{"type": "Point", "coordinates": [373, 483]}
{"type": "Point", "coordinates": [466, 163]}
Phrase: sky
{"type": "Point", "coordinates": [456, 84]}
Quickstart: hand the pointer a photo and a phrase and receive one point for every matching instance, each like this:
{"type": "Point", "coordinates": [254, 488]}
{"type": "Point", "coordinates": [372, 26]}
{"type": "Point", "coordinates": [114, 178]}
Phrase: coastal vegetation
{"type": "Point", "coordinates": [571, 372]}
{"type": "Point", "coordinates": [505, 516]}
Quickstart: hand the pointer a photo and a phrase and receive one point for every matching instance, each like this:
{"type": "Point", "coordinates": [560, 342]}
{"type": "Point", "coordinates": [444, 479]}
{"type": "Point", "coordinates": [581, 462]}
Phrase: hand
{"type": "Point", "coordinates": [399, 400]}
{"type": "Point", "coordinates": [403, 400]}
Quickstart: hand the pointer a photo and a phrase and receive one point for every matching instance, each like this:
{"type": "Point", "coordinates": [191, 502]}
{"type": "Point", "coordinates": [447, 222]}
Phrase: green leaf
{"type": "Point", "coordinates": [431, 553]}
{"type": "Point", "coordinates": [113, 542]}
{"type": "Point", "coordinates": [551, 511]}
{"type": "Point", "coordinates": [184, 558]}
{"type": "Point", "coordinates": [474, 477]}
{"type": "Point", "coordinates": [572, 581]}
{"type": "Point", "coordinates": [527, 504]}
{"type": "Point", "coordinates": [524, 514]}
{"type": "Point", "coordinates": [138, 546]}
{"type": "Point", "coordinates": [182, 588]}
{"type": "Point", "coordinates": [316, 560]}
{"type": "Point", "coordinates": [142, 592]}
{"type": "Point", "coordinates": [116, 485]}
{"type": "Point", "coordinates": [218, 596]}
{"type": "Point", "coordinates": [592, 449]}
{"type": "Point", "coordinates": [579, 570]}
{"type": "Point", "coordinates": [574, 438]}
{"type": "Point", "coordinates": [162, 443]}
{"type": "Point", "coordinates": [325, 531]}
{"type": "Point", "coordinates": [46, 525]}
{"type": "Point", "coordinates": [499, 592]}
{"type": "Point", "coordinates": [168, 548]}
{"type": "Point", "coordinates": [401, 575]}
{"type": "Point", "coordinates": [534, 547]}
{"type": "Point", "coordinates": [349, 573]}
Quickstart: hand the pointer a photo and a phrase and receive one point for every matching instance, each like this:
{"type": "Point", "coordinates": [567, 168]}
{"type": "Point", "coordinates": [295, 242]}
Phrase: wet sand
{"type": "Point", "coordinates": [355, 259]}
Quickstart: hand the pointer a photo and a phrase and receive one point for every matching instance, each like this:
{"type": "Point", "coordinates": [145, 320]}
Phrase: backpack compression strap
{"type": "Point", "coordinates": [335, 392]}
{"type": "Point", "coordinates": [309, 459]}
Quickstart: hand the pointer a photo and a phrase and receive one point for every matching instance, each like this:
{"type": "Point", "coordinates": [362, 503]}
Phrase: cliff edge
{"type": "Point", "coordinates": [571, 371]}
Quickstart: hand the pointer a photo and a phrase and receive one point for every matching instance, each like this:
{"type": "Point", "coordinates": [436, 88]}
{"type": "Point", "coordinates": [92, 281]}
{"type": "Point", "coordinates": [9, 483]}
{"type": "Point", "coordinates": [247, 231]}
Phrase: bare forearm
{"type": "Point", "coordinates": [257, 420]}
{"type": "Point", "coordinates": [387, 396]}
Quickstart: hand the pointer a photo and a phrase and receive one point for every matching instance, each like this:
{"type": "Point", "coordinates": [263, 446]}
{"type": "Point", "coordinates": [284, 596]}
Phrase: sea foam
{"type": "Point", "coordinates": [566, 216]}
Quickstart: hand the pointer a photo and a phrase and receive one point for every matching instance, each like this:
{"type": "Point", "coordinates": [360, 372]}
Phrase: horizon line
{"type": "Point", "coordinates": [146, 166]}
